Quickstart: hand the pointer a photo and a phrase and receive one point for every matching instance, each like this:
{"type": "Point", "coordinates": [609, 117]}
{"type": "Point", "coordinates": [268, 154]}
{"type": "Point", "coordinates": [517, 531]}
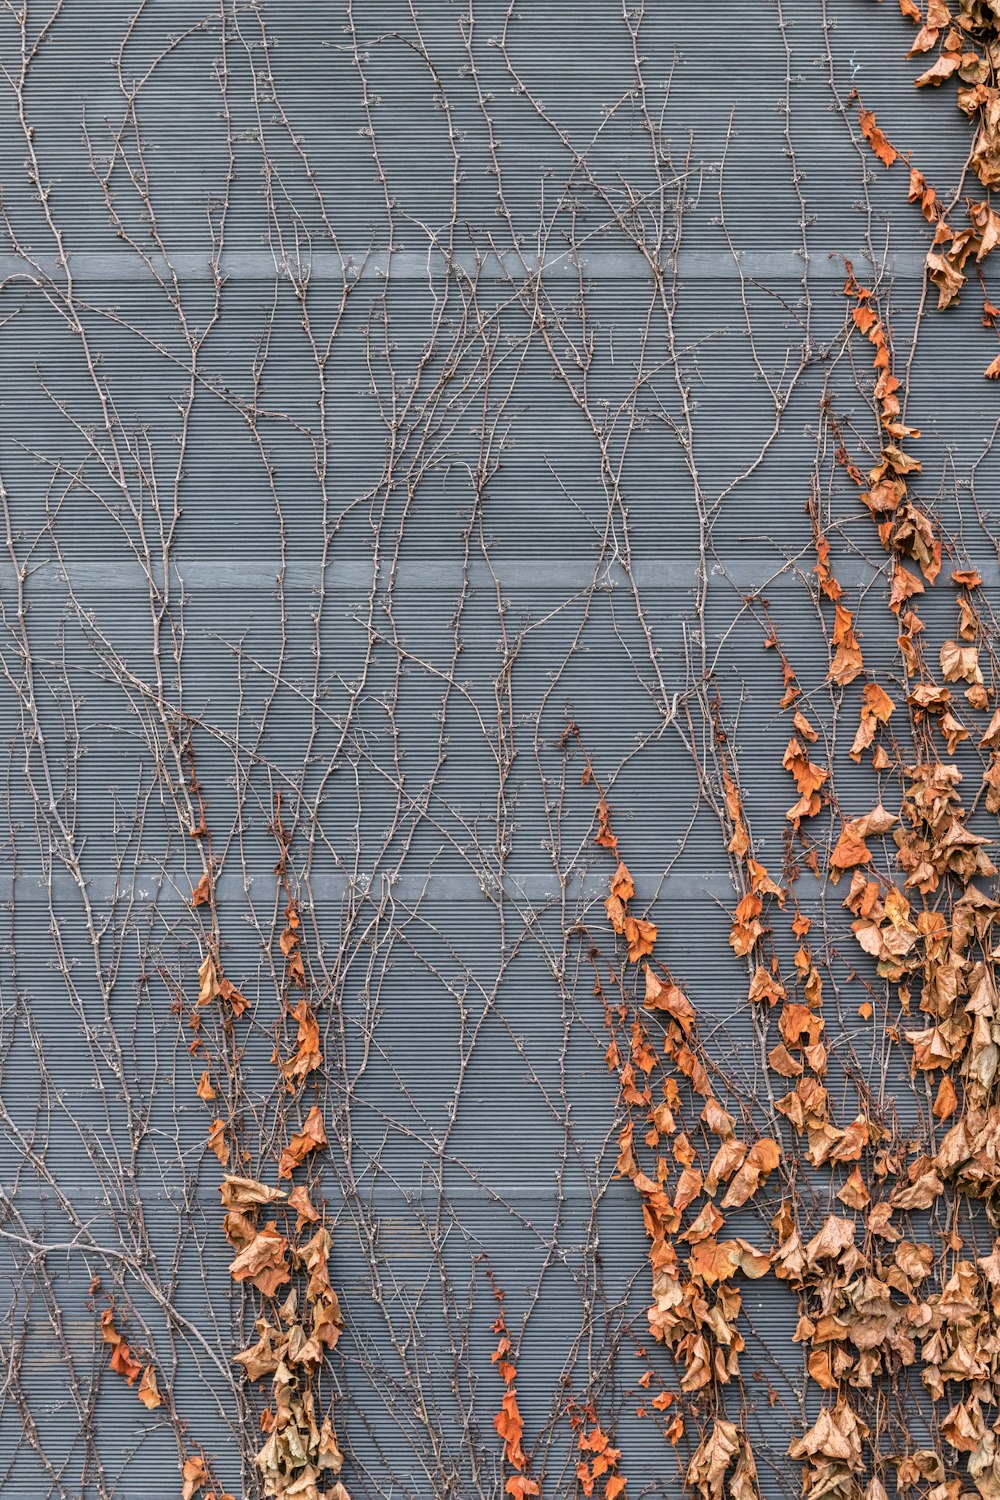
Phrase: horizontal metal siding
{"type": "Point", "coordinates": [544, 515]}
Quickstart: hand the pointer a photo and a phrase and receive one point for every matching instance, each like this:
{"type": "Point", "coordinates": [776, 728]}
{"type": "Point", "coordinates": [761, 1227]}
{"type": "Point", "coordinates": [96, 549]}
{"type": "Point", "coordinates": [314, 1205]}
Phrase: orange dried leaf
{"type": "Point", "coordinates": [640, 936]}
{"type": "Point", "coordinates": [947, 1100]}
{"type": "Point", "coordinates": [847, 662]}
{"type": "Point", "coordinates": [246, 1193]}
{"type": "Point", "coordinates": [312, 1137]}
{"type": "Point", "coordinates": [605, 836]}
{"type": "Point", "coordinates": [885, 152]}
{"type": "Point", "coordinates": [217, 1141]}
{"type": "Point", "coordinates": [299, 1199]}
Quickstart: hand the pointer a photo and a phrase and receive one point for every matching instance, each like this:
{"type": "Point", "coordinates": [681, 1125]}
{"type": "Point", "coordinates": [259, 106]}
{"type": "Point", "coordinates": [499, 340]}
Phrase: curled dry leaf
{"type": "Point", "coordinates": [217, 1141]}
{"type": "Point", "coordinates": [195, 1475]}
{"type": "Point", "coordinates": [723, 1447]}
{"type": "Point", "coordinates": [264, 1262]}
{"type": "Point", "coordinates": [312, 1137]}
{"type": "Point", "coordinates": [208, 980]}
{"type": "Point", "coordinates": [760, 1162]}
{"type": "Point", "coordinates": [669, 998]}
{"type": "Point", "coordinates": [247, 1193]}
{"type": "Point", "coordinates": [149, 1391]}
{"type": "Point", "coordinates": [307, 1056]}
{"type": "Point", "coordinates": [298, 1199]}
{"type": "Point", "coordinates": [122, 1360]}
{"type": "Point", "coordinates": [885, 152]}
{"type": "Point", "coordinates": [847, 662]}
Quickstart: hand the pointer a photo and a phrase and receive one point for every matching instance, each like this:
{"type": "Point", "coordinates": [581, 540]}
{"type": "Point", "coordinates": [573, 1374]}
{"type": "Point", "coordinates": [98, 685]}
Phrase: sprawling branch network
{"type": "Point", "coordinates": [502, 755]}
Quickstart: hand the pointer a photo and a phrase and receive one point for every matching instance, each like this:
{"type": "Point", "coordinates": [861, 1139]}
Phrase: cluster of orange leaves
{"type": "Point", "coordinates": [300, 1456]}
{"type": "Point", "coordinates": [696, 1302]}
{"type": "Point", "coordinates": [964, 39]}
{"type": "Point", "coordinates": [866, 1311]}
{"type": "Point", "coordinates": [599, 1458]}
{"type": "Point", "coordinates": [508, 1421]}
{"type": "Point", "coordinates": [124, 1362]}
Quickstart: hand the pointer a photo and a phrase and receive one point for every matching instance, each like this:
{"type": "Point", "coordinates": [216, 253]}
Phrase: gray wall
{"type": "Point", "coordinates": [299, 538]}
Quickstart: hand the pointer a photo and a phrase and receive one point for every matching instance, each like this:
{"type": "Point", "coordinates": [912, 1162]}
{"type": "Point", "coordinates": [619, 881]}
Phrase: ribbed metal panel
{"type": "Point", "coordinates": [266, 534]}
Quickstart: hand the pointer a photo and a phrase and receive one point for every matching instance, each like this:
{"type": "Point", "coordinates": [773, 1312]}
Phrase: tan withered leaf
{"type": "Point", "coordinates": [720, 1260]}
{"type": "Point", "coordinates": [149, 1391]}
{"type": "Point", "coordinates": [264, 1261]}
{"type": "Point", "coordinates": [718, 1120]}
{"type": "Point", "coordinates": [307, 1056]}
{"type": "Point", "coordinates": [124, 1363]}
{"type": "Point", "coordinates": [851, 848]}
{"type": "Point", "coordinates": [876, 707]}
{"type": "Point", "coordinates": [945, 65]}
{"type": "Point", "coordinates": [208, 980]}
{"type": "Point", "coordinates": [837, 1434]}
{"type": "Point", "coordinates": [195, 1475]}
{"type": "Point", "coordinates": [262, 1358]}
{"type": "Point", "coordinates": [765, 988]}
{"type": "Point", "coordinates": [960, 663]}
{"type": "Point", "coordinates": [833, 1239]}
{"type": "Point", "coordinates": [781, 1061]}
{"type": "Point", "coordinates": [246, 1192]}
{"type": "Point", "coordinates": [854, 1194]}
{"type": "Point", "coordinates": [688, 1188]}
{"type": "Point", "coordinates": [722, 1448]}
{"type": "Point", "coordinates": [946, 277]}
{"type": "Point", "coordinates": [729, 1157]}
{"type": "Point", "coordinates": [238, 1229]}
{"type": "Point", "coordinates": [882, 148]}
{"type": "Point", "coordinates": [847, 662]}
{"type": "Point", "coordinates": [233, 996]}
{"type": "Point", "coordinates": [947, 1100]}
{"type": "Point", "coordinates": [746, 928]}
{"type": "Point", "coordinates": [605, 836]}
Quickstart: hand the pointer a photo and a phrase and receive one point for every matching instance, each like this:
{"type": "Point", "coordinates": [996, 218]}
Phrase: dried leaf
{"type": "Point", "coordinates": [208, 980]}
{"type": "Point", "coordinates": [886, 153]}
{"type": "Point", "coordinates": [217, 1141]}
{"type": "Point", "coordinates": [247, 1193]}
{"type": "Point", "coordinates": [149, 1391]}
{"type": "Point", "coordinates": [264, 1261]}
{"type": "Point", "coordinates": [312, 1137]}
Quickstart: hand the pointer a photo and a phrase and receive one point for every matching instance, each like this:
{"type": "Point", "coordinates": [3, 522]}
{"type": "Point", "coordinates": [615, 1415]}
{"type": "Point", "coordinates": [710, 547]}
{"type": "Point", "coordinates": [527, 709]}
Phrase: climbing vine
{"type": "Point", "coordinates": [498, 634]}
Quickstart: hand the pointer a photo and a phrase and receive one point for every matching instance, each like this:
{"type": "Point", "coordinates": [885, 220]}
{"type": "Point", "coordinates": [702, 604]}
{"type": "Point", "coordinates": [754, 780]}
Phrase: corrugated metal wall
{"type": "Point", "coordinates": [242, 249]}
